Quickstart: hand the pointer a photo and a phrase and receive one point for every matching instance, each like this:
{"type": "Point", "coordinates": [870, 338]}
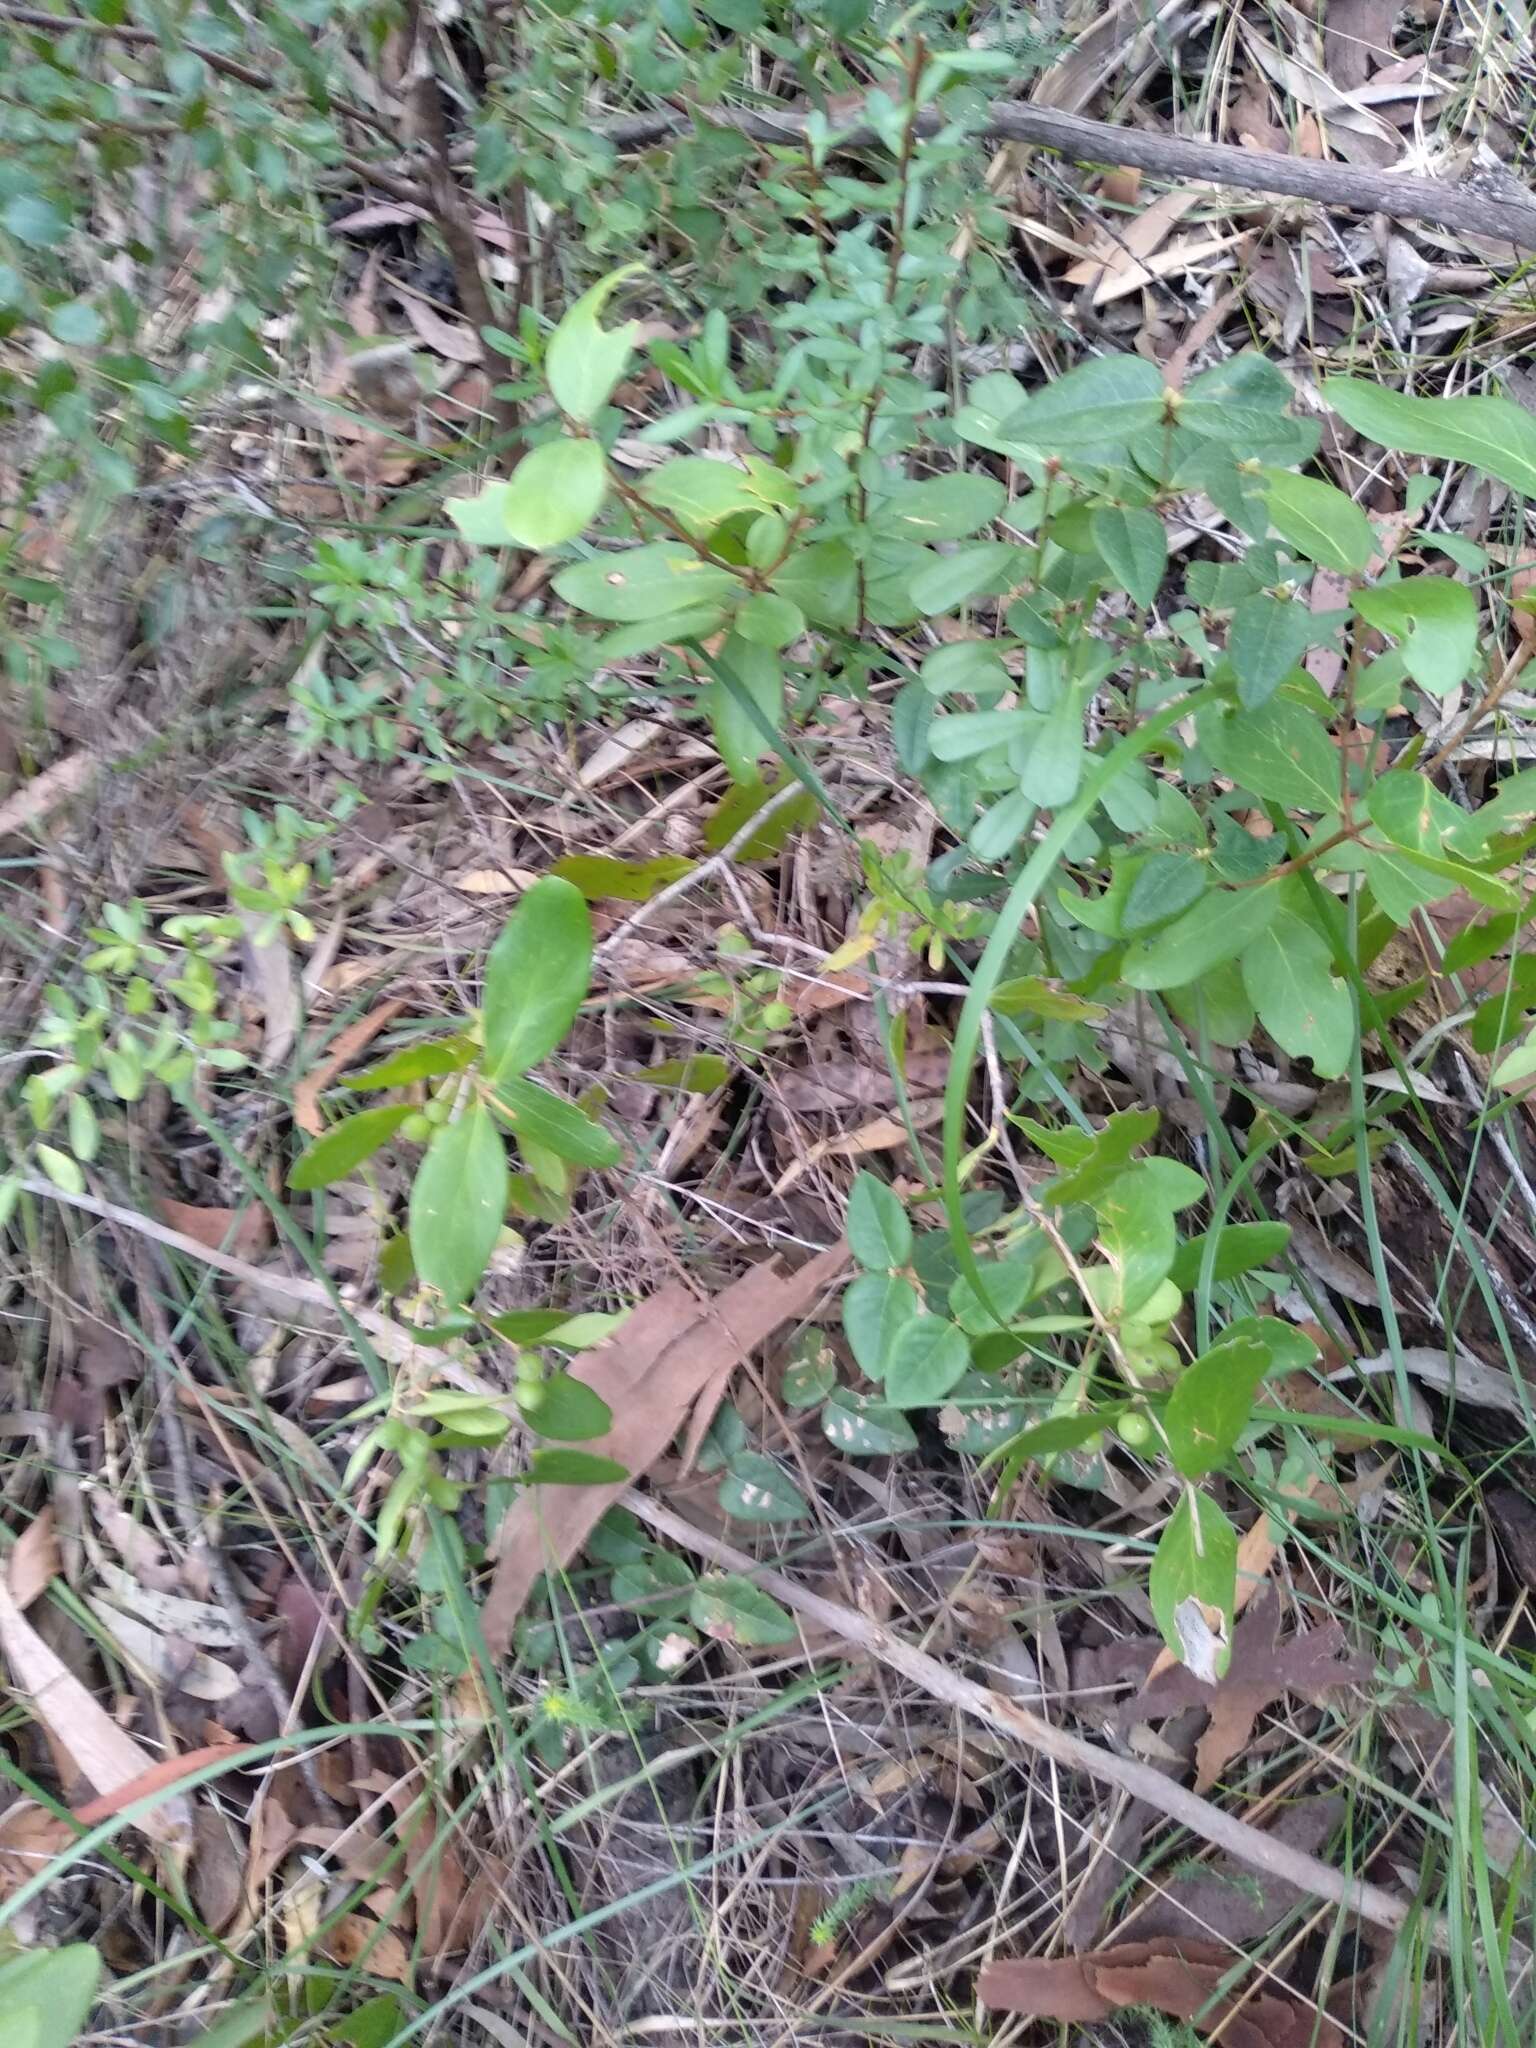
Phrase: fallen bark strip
{"type": "Point", "coordinates": [1223, 1830]}
{"type": "Point", "coordinates": [1355, 186]}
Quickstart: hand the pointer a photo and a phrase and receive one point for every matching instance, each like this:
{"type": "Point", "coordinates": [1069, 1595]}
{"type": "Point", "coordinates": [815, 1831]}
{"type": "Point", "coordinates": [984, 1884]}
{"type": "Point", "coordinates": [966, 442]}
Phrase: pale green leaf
{"type": "Point", "coordinates": [552, 1124]}
{"type": "Point", "coordinates": [929, 1357]}
{"type": "Point", "coordinates": [1218, 927]}
{"type": "Point", "coordinates": [1489, 433]}
{"type": "Point", "coordinates": [941, 507]}
{"type": "Point", "coordinates": [876, 1307]}
{"type": "Point", "coordinates": [1288, 973]}
{"type": "Point", "coordinates": [878, 1228]}
{"type": "Point", "coordinates": [1280, 751]}
{"type": "Point", "coordinates": [570, 1411]}
{"type": "Point", "coordinates": [651, 582]}
{"type": "Point", "coordinates": [584, 360]}
{"type": "Point", "coordinates": [1319, 521]}
{"type": "Point", "coordinates": [554, 494]}
{"type": "Point", "coordinates": [1436, 621]}
{"type": "Point", "coordinates": [1211, 1403]}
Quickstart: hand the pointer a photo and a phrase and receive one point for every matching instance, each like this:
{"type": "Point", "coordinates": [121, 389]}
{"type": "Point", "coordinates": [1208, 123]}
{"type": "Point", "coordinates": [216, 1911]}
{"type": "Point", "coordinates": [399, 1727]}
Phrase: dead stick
{"type": "Point", "coordinates": [449, 210]}
{"type": "Point", "coordinates": [1223, 1830]}
{"type": "Point", "coordinates": [1355, 186]}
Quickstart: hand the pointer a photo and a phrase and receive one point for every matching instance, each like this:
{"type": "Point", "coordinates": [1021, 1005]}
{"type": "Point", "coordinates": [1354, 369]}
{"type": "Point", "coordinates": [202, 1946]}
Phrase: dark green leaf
{"type": "Point", "coordinates": [570, 1411]}
{"type": "Point", "coordinates": [574, 1468]}
{"type": "Point", "coordinates": [458, 1204]}
{"type": "Point", "coordinates": [345, 1146]}
{"type": "Point", "coordinates": [875, 1307]}
{"type": "Point", "coordinates": [1162, 886]}
{"type": "Point", "coordinates": [1134, 548]}
{"type": "Point", "coordinates": [1268, 636]}
{"type": "Point", "coordinates": [755, 1489]}
{"type": "Point", "coordinates": [536, 977]}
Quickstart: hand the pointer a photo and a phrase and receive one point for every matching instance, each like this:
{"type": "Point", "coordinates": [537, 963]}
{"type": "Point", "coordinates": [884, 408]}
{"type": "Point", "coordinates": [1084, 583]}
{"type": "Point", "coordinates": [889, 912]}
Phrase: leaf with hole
{"type": "Point", "coordinates": [652, 582]}
{"type": "Point", "coordinates": [1434, 619]}
{"type": "Point", "coordinates": [536, 977]}
{"type": "Point", "coordinates": [755, 1489]}
{"type": "Point", "coordinates": [1305, 1008]}
{"type": "Point", "coordinates": [1211, 1403]}
{"type": "Point", "coordinates": [1196, 1560]}
{"type": "Point", "coordinates": [458, 1204]}
{"type": "Point", "coordinates": [585, 360]}
{"type": "Point", "coordinates": [878, 1227]}
{"type": "Point", "coordinates": [341, 1150]}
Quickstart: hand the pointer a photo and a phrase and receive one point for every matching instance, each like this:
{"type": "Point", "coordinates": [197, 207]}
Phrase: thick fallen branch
{"type": "Point", "coordinates": [1355, 186]}
{"type": "Point", "coordinates": [1127, 1774]}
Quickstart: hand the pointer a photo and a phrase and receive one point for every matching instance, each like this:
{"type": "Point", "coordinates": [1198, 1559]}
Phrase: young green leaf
{"type": "Point", "coordinates": [1240, 1248]}
{"type": "Point", "coordinates": [458, 1204]}
{"type": "Point", "coordinates": [755, 1489]}
{"type": "Point", "coordinates": [342, 1149]}
{"type": "Point", "coordinates": [1211, 1402]}
{"type": "Point", "coordinates": [536, 977]}
{"type": "Point", "coordinates": [46, 1995]}
{"type": "Point", "coordinates": [1436, 621]}
{"type": "Point", "coordinates": [413, 1063]}
{"type": "Point", "coordinates": [879, 1230]}
{"type": "Point", "coordinates": [1288, 973]}
{"type": "Point", "coordinates": [1196, 1562]}
{"type": "Point", "coordinates": [1491, 434]}
{"type": "Point", "coordinates": [549, 1121]}
{"type": "Point", "coordinates": [1134, 548]}
{"type": "Point", "coordinates": [733, 1610]}
{"type": "Point", "coordinates": [584, 360]}
{"type": "Point", "coordinates": [929, 1357]}
{"type": "Point", "coordinates": [1136, 1234]}
{"type": "Point", "coordinates": [1319, 521]}
{"type": "Point", "coordinates": [651, 582]}
{"type": "Point", "coordinates": [554, 494]}
{"type": "Point", "coordinates": [570, 1411]}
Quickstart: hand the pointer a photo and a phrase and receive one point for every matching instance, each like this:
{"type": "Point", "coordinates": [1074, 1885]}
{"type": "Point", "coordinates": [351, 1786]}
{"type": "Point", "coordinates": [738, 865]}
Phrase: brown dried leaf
{"type": "Point", "coordinates": [345, 1047]}
{"type": "Point", "coordinates": [650, 1373]}
{"type": "Point", "coordinates": [30, 1839]}
{"type": "Point", "coordinates": [35, 1559]}
{"type": "Point", "coordinates": [1182, 1979]}
{"type": "Point", "coordinates": [245, 1233]}
{"type": "Point", "coordinates": [362, 1943]}
{"type": "Point", "coordinates": [1264, 1668]}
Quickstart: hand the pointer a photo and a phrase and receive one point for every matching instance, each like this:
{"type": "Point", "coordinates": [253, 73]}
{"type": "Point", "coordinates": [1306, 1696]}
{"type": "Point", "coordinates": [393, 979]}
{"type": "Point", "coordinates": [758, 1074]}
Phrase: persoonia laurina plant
{"type": "Point", "coordinates": [1157, 788]}
{"type": "Point", "coordinates": [474, 1097]}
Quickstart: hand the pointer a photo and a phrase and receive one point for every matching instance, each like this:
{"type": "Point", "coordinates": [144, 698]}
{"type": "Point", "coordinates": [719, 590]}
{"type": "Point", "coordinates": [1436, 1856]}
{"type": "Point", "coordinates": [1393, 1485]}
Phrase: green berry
{"type": "Point", "coordinates": [1135, 1430]}
{"type": "Point", "coordinates": [418, 1127]}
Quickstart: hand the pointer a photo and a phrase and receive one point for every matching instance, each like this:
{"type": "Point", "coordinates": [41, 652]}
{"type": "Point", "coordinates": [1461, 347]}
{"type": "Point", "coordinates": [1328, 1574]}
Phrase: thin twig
{"type": "Point", "coordinates": [1250, 1845]}
{"type": "Point", "coordinates": [1360, 189]}
{"type": "Point", "coordinates": [686, 883]}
